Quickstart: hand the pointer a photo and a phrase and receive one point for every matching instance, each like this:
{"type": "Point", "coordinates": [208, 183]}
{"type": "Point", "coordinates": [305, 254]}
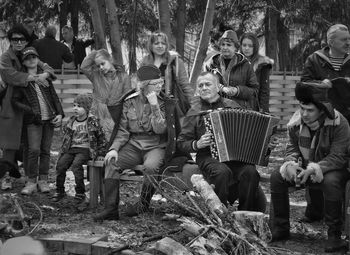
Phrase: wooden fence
{"type": "Point", "coordinates": [282, 101]}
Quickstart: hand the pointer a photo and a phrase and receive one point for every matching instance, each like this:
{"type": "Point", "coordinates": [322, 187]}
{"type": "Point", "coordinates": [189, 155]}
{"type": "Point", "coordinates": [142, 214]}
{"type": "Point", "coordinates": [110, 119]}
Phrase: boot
{"type": "Point", "coordinates": [142, 205]}
{"type": "Point", "coordinates": [333, 218]}
{"type": "Point", "coordinates": [315, 205]}
{"type": "Point", "coordinates": [110, 211]}
{"type": "Point", "coordinates": [279, 216]}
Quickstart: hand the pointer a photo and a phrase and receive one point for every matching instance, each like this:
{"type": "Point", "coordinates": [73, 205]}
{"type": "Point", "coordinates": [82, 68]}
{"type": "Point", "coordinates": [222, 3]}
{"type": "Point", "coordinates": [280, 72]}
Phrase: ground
{"type": "Point", "coordinates": [66, 217]}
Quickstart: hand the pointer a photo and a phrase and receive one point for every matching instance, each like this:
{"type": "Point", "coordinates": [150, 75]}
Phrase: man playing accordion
{"type": "Point", "coordinates": [317, 157]}
{"type": "Point", "coordinates": [228, 177]}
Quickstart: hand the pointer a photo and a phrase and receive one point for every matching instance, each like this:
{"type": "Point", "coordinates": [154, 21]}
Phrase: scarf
{"type": "Point", "coordinates": [226, 71]}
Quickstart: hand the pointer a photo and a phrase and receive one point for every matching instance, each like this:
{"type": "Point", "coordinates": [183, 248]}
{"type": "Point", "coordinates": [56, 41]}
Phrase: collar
{"type": "Point", "coordinates": [296, 120]}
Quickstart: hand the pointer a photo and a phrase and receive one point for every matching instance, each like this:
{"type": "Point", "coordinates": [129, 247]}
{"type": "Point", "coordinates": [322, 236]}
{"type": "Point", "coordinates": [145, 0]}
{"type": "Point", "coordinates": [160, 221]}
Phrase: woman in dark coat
{"type": "Point", "coordinates": [262, 66]}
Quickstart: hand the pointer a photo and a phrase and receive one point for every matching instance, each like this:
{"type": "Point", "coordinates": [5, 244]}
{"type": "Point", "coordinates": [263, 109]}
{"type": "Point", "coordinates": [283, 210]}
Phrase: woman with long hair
{"type": "Point", "coordinates": [262, 66]}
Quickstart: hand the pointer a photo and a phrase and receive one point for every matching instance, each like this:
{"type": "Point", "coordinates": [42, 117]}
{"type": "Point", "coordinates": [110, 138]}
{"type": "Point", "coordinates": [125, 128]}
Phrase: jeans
{"type": "Point", "coordinates": [37, 146]}
{"type": "Point", "coordinates": [74, 158]}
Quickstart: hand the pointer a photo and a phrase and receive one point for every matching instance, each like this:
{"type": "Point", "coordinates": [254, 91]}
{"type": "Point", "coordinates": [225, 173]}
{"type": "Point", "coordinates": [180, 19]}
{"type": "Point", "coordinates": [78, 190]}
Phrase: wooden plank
{"type": "Point", "coordinates": [76, 81]}
{"type": "Point", "coordinates": [69, 86]}
{"type": "Point", "coordinates": [70, 76]}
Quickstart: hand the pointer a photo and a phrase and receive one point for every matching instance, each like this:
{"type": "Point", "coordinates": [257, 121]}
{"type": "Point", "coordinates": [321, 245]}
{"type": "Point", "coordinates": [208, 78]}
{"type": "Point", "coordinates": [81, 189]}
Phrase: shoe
{"type": "Point", "coordinates": [6, 183]}
{"type": "Point", "coordinates": [43, 186]}
{"type": "Point", "coordinates": [80, 197]}
{"type": "Point", "coordinates": [29, 188]}
{"type": "Point", "coordinates": [58, 196]}
{"type": "Point", "coordinates": [110, 211]}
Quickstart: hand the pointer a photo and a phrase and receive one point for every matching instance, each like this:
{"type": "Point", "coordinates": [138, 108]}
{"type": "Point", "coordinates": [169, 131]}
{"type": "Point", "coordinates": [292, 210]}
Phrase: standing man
{"type": "Point", "coordinates": [319, 137]}
{"type": "Point", "coordinates": [77, 46]}
{"type": "Point", "coordinates": [227, 176]}
{"type": "Point", "coordinates": [29, 24]}
{"type": "Point", "coordinates": [322, 66]}
{"type": "Point", "coordinates": [52, 51]}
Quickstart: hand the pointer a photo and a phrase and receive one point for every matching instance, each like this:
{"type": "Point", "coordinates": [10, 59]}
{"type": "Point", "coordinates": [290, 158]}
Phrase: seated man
{"type": "Point", "coordinates": [319, 138]}
{"type": "Point", "coordinates": [194, 139]}
{"type": "Point", "coordinates": [141, 139]}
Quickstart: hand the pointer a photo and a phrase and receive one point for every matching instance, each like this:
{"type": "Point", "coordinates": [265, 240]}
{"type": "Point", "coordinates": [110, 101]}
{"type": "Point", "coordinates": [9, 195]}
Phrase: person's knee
{"type": "Point", "coordinates": [332, 186]}
{"type": "Point", "coordinates": [250, 172]}
{"type": "Point", "coordinates": [276, 180]}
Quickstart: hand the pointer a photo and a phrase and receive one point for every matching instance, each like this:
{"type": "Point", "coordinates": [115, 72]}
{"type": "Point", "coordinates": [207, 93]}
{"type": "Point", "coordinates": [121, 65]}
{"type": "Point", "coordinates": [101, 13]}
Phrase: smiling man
{"type": "Point", "coordinates": [319, 137]}
{"type": "Point", "coordinates": [228, 177]}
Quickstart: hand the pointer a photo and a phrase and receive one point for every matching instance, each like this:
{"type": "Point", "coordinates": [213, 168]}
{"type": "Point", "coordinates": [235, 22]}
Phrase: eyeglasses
{"type": "Point", "coordinates": [19, 39]}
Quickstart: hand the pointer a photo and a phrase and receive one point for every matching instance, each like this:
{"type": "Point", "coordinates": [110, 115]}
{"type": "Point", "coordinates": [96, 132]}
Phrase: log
{"type": "Point", "coordinates": [170, 247]}
{"type": "Point", "coordinates": [207, 193]}
{"type": "Point", "coordinates": [252, 223]}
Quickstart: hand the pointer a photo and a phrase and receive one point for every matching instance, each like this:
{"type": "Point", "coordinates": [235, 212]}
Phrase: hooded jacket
{"type": "Point", "coordinates": [240, 75]}
{"type": "Point", "coordinates": [331, 151]}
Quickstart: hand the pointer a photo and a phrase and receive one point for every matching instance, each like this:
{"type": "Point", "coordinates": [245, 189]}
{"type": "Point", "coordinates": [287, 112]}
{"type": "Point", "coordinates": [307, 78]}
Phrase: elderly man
{"type": "Point", "coordinates": [316, 155]}
{"type": "Point", "coordinates": [323, 66]}
{"type": "Point", "coordinates": [193, 138]}
{"type": "Point", "coordinates": [141, 139]}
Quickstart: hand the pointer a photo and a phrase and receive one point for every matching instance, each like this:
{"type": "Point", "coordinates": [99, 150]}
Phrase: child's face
{"type": "Point", "coordinates": [79, 111]}
{"type": "Point", "coordinates": [30, 61]}
{"type": "Point", "coordinates": [103, 64]}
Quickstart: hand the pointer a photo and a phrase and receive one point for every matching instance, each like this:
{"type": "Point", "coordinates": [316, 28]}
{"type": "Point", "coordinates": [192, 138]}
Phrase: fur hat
{"type": "Point", "coordinates": [85, 101]}
{"type": "Point", "coordinates": [229, 35]}
{"type": "Point", "coordinates": [148, 72]}
{"type": "Point", "coordinates": [316, 93]}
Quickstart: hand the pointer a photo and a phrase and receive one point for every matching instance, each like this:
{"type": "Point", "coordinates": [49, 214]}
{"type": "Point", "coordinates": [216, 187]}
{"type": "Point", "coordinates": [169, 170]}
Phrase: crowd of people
{"type": "Point", "coordinates": [155, 120]}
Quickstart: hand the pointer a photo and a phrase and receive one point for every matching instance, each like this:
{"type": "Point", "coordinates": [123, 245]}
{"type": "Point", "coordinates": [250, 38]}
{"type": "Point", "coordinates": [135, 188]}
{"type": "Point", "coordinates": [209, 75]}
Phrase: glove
{"type": "Point", "coordinates": [289, 170]}
{"type": "Point", "coordinates": [317, 175]}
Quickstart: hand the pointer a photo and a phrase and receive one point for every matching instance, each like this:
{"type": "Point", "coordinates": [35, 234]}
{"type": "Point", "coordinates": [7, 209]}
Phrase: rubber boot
{"type": "Point", "coordinates": [279, 216]}
{"type": "Point", "coordinates": [333, 219]}
{"type": "Point", "coordinates": [141, 206]}
{"type": "Point", "coordinates": [315, 205]}
{"type": "Point", "coordinates": [110, 211]}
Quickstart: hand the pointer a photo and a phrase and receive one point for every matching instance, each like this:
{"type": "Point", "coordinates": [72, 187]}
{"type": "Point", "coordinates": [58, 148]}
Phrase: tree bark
{"type": "Point", "coordinates": [114, 31]}
{"type": "Point", "coordinates": [283, 46]}
{"type": "Point", "coordinates": [203, 41]}
{"type": "Point", "coordinates": [63, 14]}
{"type": "Point", "coordinates": [180, 26]}
{"type": "Point", "coordinates": [164, 17]}
{"type": "Point", "coordinates": [74, 15]}
{"type": "Point", "coordinates": [97, 24]}
{"type": "Point", "coordinates": [271, 34]}
{"type": "Point", "coordinates": [132, 41]}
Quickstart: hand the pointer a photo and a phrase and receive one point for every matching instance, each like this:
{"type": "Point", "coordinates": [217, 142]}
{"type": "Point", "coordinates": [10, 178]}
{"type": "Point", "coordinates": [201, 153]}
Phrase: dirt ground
{"type": "Point", "coordinates": [75, 220]}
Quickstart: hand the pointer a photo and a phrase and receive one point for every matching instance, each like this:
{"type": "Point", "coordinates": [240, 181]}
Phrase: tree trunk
{"type": "Point", "coordinates": [63, 14]}
{"type": "Point", "coordinates": [271, 34]}
{"type": "Point", "coordinates": [283, 46]}
{"type": "Point", "coordinates": [74, 15]}
{"type": "Point", "coordinates": [132, 41]}
{"type": "Point", "coordinates": [114, 31]}
{"type": "Point", "coordinates": [164, 17]}
{"type": "Point", "coordinates": [97, 24]}
{"type": "Point", "coordinates": [180, 26]}
{"type": "Point", "coordinates": [203, 41]}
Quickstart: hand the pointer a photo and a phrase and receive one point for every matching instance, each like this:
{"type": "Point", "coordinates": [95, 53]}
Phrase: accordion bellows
{"type": "Point", "coordinates": [240, 135]}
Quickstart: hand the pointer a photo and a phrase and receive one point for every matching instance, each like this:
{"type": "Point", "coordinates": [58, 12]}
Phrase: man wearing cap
{"type": "Point", "coordinates": [237, 77]}
{"type": "Point", "coordinates": [141, 139]}
{"type": "Point", "coordinates": [317, 156]}
{"type": "Point", "coordinates": [29, 24]}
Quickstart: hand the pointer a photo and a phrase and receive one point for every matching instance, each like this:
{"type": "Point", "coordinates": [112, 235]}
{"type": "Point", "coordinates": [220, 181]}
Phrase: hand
{"type": "Point", "coordinates": [112, 154]}
{"type": "Point", "coordinates": [327, 83]}
{"type": "Point", "coordinates": [230, 91]}
{"type": "Point", "coordinates": [43, 83]}
{"type": "Point", "coordinates": [152, 98]}
{"type": "Point", "coordinates": [57, 121]}
{"type": "Point", "coordinates": [204, 141]}
{"type": "Point", "coordinates": [43, 76]}
{"type": "Point", "coordinates": [291, 171]}
{"type": "Point", "coordinates": [305, 174]}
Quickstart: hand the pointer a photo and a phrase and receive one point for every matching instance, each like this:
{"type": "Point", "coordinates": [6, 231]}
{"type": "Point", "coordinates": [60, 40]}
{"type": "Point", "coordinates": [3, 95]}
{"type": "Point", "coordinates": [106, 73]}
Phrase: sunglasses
{"type": "Point", "coordinates": [19, 39]}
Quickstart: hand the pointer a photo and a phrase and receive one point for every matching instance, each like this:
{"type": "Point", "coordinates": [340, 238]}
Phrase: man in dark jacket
{"type": "Point", "coordinates": [77, 46]}
{"type": "Point", "coordinates": [194, 139]}
{"type": "Point", "coordinates": [29, 24]}
{"type": "Point", "coordinates": [316, 155]}
{"type": "Point", "coordinates": [52, 51]}
{"type": "Point", "coordinates": [330, 63]}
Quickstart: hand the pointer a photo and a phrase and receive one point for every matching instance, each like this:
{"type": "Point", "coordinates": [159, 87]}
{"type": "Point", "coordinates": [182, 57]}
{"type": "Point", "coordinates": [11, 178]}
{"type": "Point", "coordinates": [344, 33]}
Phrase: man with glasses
{"type": "Point", "coordinates": [11, 119]}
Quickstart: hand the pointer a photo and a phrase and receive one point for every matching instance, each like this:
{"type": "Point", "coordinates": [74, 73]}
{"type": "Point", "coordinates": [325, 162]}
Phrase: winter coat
{"type": "Point", "coordinates": [318, 67]}
{"type": "Point", "coordinates": [193, 126]}
{"type": "Point", "coordinates": [331, 152]}
{"type": "Point", "coordinates": [53, 52]}
{"type": "Point", "coordinates": [176, 80]}
{"type": "Point", "coordinates": [96, 137]}
{"type": "Point", "coordinates": [240, 75]}
{"type": "Point", "coordinates": [262, 68]}
{"type": "Point", "coordinates": [11, 119]}
{"type": "Point", "coordinates": [26, 99]}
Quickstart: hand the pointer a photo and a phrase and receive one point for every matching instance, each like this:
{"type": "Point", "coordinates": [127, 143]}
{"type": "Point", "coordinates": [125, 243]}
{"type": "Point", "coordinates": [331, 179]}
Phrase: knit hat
{"type": "Point", "coordinates": [229, 35]}
{"type": "Point", "coordinates": [85, 101]}
{"type": "Point", "coordinates": [316, 93]}
{"type": "Point", "coordinates": [148, 72]}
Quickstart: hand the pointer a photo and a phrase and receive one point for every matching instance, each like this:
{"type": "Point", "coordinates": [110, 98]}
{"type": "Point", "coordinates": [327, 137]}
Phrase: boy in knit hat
{"type": "Point", "coordinates": [83, 140]}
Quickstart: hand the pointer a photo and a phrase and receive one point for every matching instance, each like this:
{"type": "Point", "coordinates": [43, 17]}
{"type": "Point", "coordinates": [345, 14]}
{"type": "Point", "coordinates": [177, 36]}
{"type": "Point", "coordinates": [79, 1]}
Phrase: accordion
{"type": "Point", "coordinates": [240, 135]}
